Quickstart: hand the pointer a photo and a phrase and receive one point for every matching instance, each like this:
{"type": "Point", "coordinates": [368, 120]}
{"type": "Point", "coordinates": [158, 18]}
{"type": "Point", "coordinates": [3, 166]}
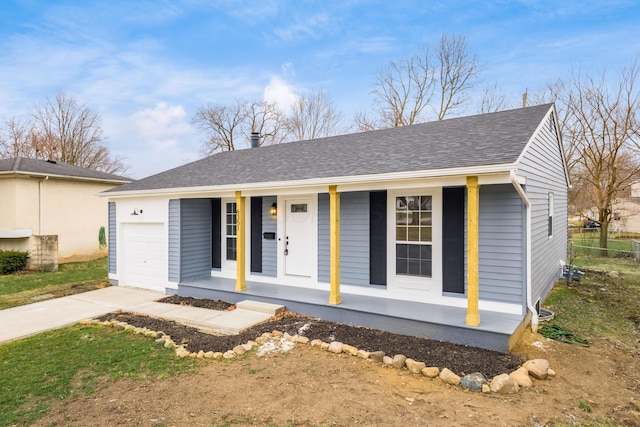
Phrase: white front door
{"type": "Point", "coordinates": [299, 237]}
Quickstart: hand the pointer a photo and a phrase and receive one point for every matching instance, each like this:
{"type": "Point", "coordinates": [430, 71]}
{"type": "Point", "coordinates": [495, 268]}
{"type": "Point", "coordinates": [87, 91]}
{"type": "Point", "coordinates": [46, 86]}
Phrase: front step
{"type": "Point", "coordinates": [260, 307]}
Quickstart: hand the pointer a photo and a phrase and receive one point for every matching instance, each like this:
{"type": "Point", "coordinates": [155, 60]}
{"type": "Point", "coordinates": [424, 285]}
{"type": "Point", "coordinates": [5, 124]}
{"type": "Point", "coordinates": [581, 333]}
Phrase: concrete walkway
{"type": "Point", "coordinates": [26, 320]}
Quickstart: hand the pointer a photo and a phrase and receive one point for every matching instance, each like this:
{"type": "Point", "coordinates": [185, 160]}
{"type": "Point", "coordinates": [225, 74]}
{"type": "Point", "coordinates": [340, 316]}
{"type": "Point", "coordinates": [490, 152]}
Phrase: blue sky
{"type": "Point", "coordinates": [146, 66]}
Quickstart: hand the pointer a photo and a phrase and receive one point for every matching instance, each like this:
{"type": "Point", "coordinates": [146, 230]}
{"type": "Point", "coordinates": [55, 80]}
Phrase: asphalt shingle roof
{"type": "Point", "coordinates": [487, 139]}
{"type": "Point", "coordinates": [47, 167]}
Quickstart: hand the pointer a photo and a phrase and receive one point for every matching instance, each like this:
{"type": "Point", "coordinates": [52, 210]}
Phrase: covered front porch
{"type": "Point", "coordinates": [497, 331]}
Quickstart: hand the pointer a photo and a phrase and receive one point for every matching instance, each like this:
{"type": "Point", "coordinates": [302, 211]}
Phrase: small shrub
{"type": "Point", "coordinates": [11, 261]}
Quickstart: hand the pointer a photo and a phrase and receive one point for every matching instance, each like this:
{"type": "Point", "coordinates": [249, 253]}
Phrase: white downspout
{"type": "Point", "coordinates": [527, 204]}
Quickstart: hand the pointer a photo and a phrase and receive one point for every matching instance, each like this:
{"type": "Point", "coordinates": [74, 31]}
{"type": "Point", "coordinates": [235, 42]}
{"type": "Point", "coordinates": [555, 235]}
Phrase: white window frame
{"type": "Point", "coordinates": [399, 283]}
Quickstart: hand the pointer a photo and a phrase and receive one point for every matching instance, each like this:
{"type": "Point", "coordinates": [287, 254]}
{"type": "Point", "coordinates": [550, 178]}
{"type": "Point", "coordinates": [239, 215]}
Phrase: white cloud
{"type": "Point", "coordinates": [163, 126]}
{"type": "Point", "coordinates": [281, 93]}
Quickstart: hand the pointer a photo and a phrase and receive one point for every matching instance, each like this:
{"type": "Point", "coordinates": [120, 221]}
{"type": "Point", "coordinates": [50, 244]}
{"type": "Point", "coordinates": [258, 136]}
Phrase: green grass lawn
{"type": "Point", "coordinates": [37, 371]}
{"type": "Point", "coordinates": [19, 288]}
{"type": "Point", "coordinates": [605, 304]}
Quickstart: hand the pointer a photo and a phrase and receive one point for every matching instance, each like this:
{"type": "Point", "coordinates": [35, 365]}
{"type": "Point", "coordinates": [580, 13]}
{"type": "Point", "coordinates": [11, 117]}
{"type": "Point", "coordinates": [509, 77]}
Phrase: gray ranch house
{"type": "Point", "coordinates": [452, 230]}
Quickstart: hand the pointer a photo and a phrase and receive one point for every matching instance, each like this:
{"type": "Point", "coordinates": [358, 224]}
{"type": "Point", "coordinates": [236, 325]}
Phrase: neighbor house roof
{"type": "Point", "coordinates": [25, 166]}
{"type": "Point", "coordinates": [465, 142]}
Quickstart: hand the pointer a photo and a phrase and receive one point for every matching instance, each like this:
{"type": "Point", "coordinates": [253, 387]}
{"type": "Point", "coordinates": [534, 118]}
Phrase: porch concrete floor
{"type": "Point", "coordinates": [497, 331]}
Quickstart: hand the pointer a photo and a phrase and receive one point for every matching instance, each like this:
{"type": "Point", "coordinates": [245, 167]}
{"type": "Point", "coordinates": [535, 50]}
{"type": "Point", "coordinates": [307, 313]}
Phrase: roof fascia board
{"type": "Point", "coordinates": [70, 177]}
{"type": "Point", "coordinates": [298, 185]}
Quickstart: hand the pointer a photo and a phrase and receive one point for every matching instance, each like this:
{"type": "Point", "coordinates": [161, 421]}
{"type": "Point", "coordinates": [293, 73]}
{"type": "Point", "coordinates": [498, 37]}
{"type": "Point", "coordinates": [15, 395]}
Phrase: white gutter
{"type": "Point", "coordinates": [527, 203]}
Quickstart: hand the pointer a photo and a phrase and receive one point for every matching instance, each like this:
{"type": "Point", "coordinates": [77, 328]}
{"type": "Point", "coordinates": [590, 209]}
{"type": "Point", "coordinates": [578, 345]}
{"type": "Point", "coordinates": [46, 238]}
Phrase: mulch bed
{"type": "Point", "coordinates": [458, 358]}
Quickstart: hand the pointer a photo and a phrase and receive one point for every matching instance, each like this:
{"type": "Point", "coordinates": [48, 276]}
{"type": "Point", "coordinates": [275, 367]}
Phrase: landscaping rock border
{"type": "Point", "coordinates": [505, 383]}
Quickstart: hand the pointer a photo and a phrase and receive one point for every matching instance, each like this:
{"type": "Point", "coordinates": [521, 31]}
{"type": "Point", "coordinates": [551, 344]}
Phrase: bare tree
{"type": "Point", "coordinates": [493, 99]}
{"type": "Point", "coordinates": [18, 138]}
{"type": "Point", "coordinates": [266, 119]}
{"type": "Point", "coordinates": [439, 78]}
{"type": "Point", "coordinates": [229, 126]}
{"type": "Point", "coordinates": [72, 133]}
{"type": "Point", "coordinates": [604, 129]}
{"type": "Point", "coordinates": [313, 116]}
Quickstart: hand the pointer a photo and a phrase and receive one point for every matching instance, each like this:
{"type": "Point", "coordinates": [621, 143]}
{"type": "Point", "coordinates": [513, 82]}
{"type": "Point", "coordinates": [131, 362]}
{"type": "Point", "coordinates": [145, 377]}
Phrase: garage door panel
{"type": "Point", "coordinates": [145, 256]}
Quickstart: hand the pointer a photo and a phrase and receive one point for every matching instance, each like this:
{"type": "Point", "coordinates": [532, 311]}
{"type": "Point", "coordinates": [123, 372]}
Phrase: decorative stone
{"type": "Point", "coordinates": [301, 340]}
{"type": "Point", "coordinates": [252, 343]}
{"type": "Point", "coordinates": [449, 377]}
{"type": "Point", "coordinates": [287, 337]}
{"type": "Point", "coordinates": [387, 360]}
{"type": "Point", "coordinates": [239, 350]}
{"type": "Point", "coordinates": [193, 355]}
{"type": "Point", "coordinates": [262, 340]}
{"type": "Point", "coordinates": [399, 361]}
{"type": "Point", "coordinates": [86, 322]}
{"type": "Point", "coordinates": [414, 366]}
{"type": "Point", "coordinates": [182, 352]}
{"type": "Point", "coordinates": [150, 334]}
{"type": "Point", "coordinates": [376, 356]}
{"type": "Point", "coordinates": [200, 354]}
{"type": "Point", "coordinates": [247, 346]}
{"type": "Point", "coordinates": [277, 333]}
{"type": "Point", "coordinates": [218, 355]}
{"type": "Point", "coordinates": [316, 343]}
{"type": "Point", "coordinates": [349, 349]}
{"type": "Point", "coordinates": [128, 327]}
{"type": "Point", "coordinates": [537, 368]}
{"type": "Point", "coordinates": [363, 354]}
{"type": "Point", "coordinates": [503, 384]}
{"type": "Point", "coordinates": [324, 346]}
{"type": "Point", "coordinates": [486, 388]}
{"type": "Point", "coordinates": [160, 341]}
{"type": "Point", "coordinates": [431, 372]}
{"type": "Point", "coordinates": [267, 335]}
{"type": "Point", "coordinates": [229, 354]}
{"type": "Point", "coordinates": [168, 343]}
{"type": "Point", "coordinates": [551, 373]}
{"type": "Point", "coordinates": [474, 381]}
{"type": "Point", "coordinates": [521, 377]}
{"type": "Point", "coordinates": [335, 347]}
{"type": "Point", "coordinates": [209, 355]}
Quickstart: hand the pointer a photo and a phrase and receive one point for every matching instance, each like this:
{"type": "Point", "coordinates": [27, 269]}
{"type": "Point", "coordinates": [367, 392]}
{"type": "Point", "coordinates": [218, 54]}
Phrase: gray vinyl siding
{"type": "Point", "coordinates": [501, 259]}
{"type": "Point", "coordinates": [174, 240]}
{"type": "Point", "coordinates": [269, 247]}
{"type": "Point", "coordinates": [543, 167]}
{"type": "Point", "coordinates": [189, 239]}
{"type": "Point", "coordinates": [112, 242]}
{"type": "Point", "coordinates": [354, 238]}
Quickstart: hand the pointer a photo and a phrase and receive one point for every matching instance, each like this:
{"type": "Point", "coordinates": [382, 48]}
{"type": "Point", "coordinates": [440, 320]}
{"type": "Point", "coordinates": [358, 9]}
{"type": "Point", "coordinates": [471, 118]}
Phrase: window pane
{"type": "Point", "coordinates": [425, 218]}
{"type": "Point", "coordinates": [413, 203]}
{"type": "Point", "coordinates": [425, 252]}
{"type": "Point", "coordinates": [401, 203]}
{"type": "Point", "coordinates": [401, 266]}
{"type": "Point", "coordinates": [425, 268]}
{"type": "Point", "coordinates": [414, 251]}
{"type": "Point", "coordinates": [414, 218]}
{"type": "Point", "coordinates": [229, 230]}
{"type": "Point", "coordinates": [425, 234]}
{"type": "Point", "coordinates": [231, 248]}
{"type": "Point", "coordinates": [413, 234]}
{"type": "Point", "coordinates": [401, 218]}
{"type": "Point", "coordinates": [401, 251]}
{"type": "Point", "coordinates": [425, 203]}
{"type": "Point", "coordinates": [299, 207]}
{"type": "Point", "coordinates": [414, 267]}
{"type": "Point", "coordinates": [401, 233]}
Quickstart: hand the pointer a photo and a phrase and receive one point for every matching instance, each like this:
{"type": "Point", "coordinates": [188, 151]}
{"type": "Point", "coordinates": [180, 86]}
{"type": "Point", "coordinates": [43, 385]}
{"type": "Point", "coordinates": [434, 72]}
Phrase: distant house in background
{"type": "Point", "coordinates": [626, 212]}
{"type": "Point", "coordinates": [51, 210]}
{"type": "Point", "coordinates": [453, 230]}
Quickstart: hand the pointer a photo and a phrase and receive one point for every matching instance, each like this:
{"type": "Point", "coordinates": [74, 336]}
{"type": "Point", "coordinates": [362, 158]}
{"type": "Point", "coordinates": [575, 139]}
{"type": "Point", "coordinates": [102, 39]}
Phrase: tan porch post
{"type": "Point", "coordinates": [334, 243]}
{"type": "Point", "coordinates": [241, 283]}
{"type": "Point", "coordinates": [473, 203]}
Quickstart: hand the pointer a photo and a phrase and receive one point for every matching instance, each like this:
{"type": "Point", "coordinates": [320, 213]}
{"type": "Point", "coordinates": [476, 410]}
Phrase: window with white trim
{"type": "Point", "coordinates": [414, 223]}
{"type": "Point", "coordinates": [231, 229]}
{"type": "Point", "coordinates": [550, 222]}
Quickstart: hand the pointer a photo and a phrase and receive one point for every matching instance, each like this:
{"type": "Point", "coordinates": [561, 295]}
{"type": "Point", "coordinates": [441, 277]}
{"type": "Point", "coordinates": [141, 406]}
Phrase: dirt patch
{"type": "Point", "coordinates": [308, 386]}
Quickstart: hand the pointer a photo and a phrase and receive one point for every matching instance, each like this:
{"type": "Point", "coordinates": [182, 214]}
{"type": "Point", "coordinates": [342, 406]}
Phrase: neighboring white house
{"type": "Point", "coordinates": [51, 210]}
{"type": "Point", "coordinates": [453, 229]}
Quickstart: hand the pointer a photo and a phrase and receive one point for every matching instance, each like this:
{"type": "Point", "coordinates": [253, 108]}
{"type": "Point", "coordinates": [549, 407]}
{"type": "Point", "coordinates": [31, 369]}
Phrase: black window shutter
{"type": "Point", "coordinates": [216, 229]}
{"type": "Point", "coordinates": [378, 237]}
{"type": "Point", "coordinates": [256, 234]}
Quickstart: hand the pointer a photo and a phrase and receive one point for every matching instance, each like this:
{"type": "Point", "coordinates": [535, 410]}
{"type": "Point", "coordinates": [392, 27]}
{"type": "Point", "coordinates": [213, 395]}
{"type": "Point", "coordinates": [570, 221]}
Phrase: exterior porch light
{"type": "Point", "coordinates": [136, 211]}
{"type": "Point", "coordinates": [273, 210]}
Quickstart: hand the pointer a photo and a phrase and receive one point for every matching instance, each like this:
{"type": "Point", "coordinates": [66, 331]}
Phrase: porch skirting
{"type": "Point", "coordinates": [497, 331]}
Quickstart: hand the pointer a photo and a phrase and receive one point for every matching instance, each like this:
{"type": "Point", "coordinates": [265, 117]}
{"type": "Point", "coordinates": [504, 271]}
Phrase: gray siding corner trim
{"type": "Point", "coordinates": [502, 246]}
{"type": "Point", "coordinates": [354, 238]}
{"type": "Point", "coordinates": [112, 241]}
